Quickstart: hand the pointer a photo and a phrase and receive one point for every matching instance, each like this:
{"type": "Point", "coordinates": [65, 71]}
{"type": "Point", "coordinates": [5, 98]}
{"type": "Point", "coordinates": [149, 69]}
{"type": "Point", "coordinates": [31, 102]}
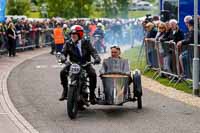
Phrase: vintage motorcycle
{"type": "Point", "coordinates": [115, 90]}
{"type": "Point", "coordinates": [78, 86]}
{"type": "Point", "coordinates": [98, 45]}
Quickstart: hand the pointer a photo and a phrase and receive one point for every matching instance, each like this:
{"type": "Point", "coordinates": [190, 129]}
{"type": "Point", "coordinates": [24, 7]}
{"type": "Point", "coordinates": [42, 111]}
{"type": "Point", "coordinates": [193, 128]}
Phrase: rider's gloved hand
{"type": "Point", "coordinates": [97, 61]}
{"type": "Point", "coordinates": [62, 59]}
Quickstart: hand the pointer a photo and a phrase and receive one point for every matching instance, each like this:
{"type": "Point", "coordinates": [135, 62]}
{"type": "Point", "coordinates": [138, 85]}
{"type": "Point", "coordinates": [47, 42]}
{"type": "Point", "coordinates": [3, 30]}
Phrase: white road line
{"type": "Point", "coordinates": [3, 113]}
{"type": "Point", "coordinates": [57, 66]}
{"type": "Point", "coordinates": [49, 66]}
{"type": "Point", "coordinates": [41, 66]}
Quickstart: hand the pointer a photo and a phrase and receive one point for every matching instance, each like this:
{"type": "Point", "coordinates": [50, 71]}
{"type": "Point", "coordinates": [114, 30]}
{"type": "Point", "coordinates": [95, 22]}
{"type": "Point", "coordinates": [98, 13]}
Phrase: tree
{"type": "Point", "coordinates": [70, 8]}
{"type": "Point", "coordinates": [18, 7]}
{"type": "Point", "coordinates": [110, 9]}
{"type": "Point", "coordinates": [123, 8]}
{"type": "Point", "coordinates": [116, 9]}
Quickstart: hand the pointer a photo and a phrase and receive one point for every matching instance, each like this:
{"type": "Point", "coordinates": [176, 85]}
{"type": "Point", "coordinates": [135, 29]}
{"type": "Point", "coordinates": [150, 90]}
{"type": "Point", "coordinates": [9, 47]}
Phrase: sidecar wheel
{"type": "Point", "coordinates": [139, 102]}
{"type": "Point", "coordinates": [72, 103]}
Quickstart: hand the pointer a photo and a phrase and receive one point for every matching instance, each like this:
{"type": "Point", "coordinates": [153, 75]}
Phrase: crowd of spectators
{"type": "Point", "coordinates": [36, 33]}
{"type": "Point", "coordinates": [165, 41]}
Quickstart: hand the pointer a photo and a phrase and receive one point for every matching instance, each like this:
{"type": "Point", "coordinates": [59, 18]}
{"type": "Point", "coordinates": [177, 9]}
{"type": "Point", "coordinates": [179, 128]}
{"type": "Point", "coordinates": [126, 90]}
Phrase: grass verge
{"type": "Point", "coordinates": [140, 63]}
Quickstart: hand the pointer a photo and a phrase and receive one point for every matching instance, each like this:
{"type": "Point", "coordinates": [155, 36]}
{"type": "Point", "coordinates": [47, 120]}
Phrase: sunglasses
{"type": "Point", "coordinates": [117, 47]}
{"type": "Point", "coordinates": [73, 33]}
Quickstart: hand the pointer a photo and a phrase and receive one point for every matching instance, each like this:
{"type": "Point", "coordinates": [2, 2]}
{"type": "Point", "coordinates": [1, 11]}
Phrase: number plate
{"type": "Point", "coordinates": [75, 69]}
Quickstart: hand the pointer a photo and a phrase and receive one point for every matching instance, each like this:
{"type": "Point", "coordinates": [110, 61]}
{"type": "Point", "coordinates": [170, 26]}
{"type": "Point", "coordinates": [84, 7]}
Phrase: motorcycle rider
{"type": "Point", "coordinates": [66, 31]}
{"type": "Point", "coordinates": [79, 51]}
{"type": "Point", "coordinates": [99, 31]}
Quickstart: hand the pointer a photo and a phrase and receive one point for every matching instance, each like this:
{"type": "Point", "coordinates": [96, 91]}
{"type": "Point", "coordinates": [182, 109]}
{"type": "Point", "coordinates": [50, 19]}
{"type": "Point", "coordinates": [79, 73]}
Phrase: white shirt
{"type": "Point", "coordinates": [79, 44]}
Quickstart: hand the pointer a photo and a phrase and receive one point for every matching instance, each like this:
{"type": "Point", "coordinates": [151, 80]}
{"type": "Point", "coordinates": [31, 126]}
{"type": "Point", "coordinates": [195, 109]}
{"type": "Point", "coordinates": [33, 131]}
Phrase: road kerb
{"type": "Point", "coordinates": [6, 102]}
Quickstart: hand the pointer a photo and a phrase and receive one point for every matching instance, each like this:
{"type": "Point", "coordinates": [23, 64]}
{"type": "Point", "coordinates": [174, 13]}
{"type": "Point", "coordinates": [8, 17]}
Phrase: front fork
{"type": "Point", "coordinates": [82, 97]}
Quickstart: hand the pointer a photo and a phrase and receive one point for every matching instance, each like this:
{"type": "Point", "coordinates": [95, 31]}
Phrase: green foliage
{"type": "Point", "coordinates": [110, 11]}
{"type": "Point", "coordinates": [137, 14]}
{"type": "Point", "coordinates": [70, 8]}
{"type": "Point", "coordinates": [75, 8]}
{"type": "Point", "coordinates": [133, 54]}
{"type": "Point", "coordinates": [18, 7]}
{"type": "Point", "coordinates": [34, 14]}
{"type": "Point", "coordinates": [84, 8]}
{"type": "Point", "coordinates": [120, 9]}
{"type": "Point", "coordinates": [123, 8]}
{"type": "Point", "coordinates": [38, 2]}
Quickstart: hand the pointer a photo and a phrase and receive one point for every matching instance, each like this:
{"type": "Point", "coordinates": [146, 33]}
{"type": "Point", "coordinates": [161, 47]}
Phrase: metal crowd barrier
{"type": "Point", "coordinates": [2, 43]}
{"type": "Point", "coordinates": [28, 40]}
{"type": "Point", "coordinates": [32, 39]}
{"type": "Point", "coordinates": [163, 57]}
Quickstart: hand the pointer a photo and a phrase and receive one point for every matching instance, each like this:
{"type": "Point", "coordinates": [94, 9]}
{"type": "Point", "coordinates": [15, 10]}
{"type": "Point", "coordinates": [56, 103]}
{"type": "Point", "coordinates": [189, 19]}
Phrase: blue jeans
{"type": "Point", "coordinates": [152, 58]}
{"type": "Point", "coordinates": [59, 48]}
{"type": "Point", "coordinates": [186, 63]}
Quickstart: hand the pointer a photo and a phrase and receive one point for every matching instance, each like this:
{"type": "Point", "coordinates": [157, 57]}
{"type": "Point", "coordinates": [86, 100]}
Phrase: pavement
{"type": "Point", "coordinates": [11, 121]}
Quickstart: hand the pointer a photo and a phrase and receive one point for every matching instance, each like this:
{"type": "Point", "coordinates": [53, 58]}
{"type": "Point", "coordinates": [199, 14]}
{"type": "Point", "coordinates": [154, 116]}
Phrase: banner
{"type": "Point", "coordinates": [185, 7]}
{"type": "Point", "coordinates": [2, 10]}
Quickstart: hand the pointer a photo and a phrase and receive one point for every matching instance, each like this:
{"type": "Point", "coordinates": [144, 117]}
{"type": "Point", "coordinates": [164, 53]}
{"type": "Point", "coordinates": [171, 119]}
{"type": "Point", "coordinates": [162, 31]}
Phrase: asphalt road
{"type": "Point", "coordinates": [34, 87]}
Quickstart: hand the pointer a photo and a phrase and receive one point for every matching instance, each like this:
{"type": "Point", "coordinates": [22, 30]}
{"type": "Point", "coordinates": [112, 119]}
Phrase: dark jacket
{"type": "Point", "coordinates": [189, 39]}
{"type": "Point", "coordinates": [87, 51]}
{"type": "Point", "coordinates": [166, 36]}
{"type": "Point", "coordinates": [99, 32]}
{"type": "Point", "coordinates": [177, 36]}
{"type": "Point", "coordinates": [10, 32]}
{"type": "Point", "coordinates": [152, 33]}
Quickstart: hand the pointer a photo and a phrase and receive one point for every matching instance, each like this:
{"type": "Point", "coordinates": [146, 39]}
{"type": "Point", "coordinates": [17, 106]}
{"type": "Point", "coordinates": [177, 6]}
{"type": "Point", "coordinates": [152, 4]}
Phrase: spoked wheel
{"type": "Point", "coordinates": [139, 102]}
{"type": "Point", "coordinates": [72, 103]}
{"type": "Point", "coordinates": [137, 85]}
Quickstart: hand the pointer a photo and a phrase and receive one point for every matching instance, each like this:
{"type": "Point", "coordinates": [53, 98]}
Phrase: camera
{"type": "Point", "coordinates": [148, 18]}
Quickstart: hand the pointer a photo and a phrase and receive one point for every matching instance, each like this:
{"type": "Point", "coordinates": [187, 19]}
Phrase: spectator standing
{"type": "Point", "coordinates": [58, 37]}
{"type": "Point", "coordinates": [150, 44]}
{"type": "Point", "coordinates": [186, 20]}
{"type": "Point", "coordinates": [11, 39]}
{"type": "Point", "coordinates": [162, 30]}
{"type": "Point", "coordinates": [184, 44]}
{"type": "Point", "coordinates": [37, 34]}
{"type": "Point", "coordinates": [2, 36]}
{"type": "Point", "coordinates": [176, 33]}
{"type": "Point", "coordinates": [92, 28]}
{"type": "Point", "coordinates": [33, 32]}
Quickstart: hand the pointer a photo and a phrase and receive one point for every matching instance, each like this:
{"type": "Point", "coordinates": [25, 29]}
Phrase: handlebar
{"type": "Point", "coordinates": [87, 63]}
{"type": "Point", "coordinates": [62, 59]}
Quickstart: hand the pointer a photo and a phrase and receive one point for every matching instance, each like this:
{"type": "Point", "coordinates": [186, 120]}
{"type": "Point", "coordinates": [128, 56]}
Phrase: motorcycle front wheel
{"type": "Point", "coordinates": [72, 102]}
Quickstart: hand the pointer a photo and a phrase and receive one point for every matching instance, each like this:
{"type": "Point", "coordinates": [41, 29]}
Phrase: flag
{"type": "Point", "coordinates": [2, 10]}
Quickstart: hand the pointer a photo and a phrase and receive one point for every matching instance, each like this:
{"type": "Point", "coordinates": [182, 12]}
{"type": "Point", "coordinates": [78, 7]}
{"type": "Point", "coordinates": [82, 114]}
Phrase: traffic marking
{"type": "Point", "coordinates": [49, 66]}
